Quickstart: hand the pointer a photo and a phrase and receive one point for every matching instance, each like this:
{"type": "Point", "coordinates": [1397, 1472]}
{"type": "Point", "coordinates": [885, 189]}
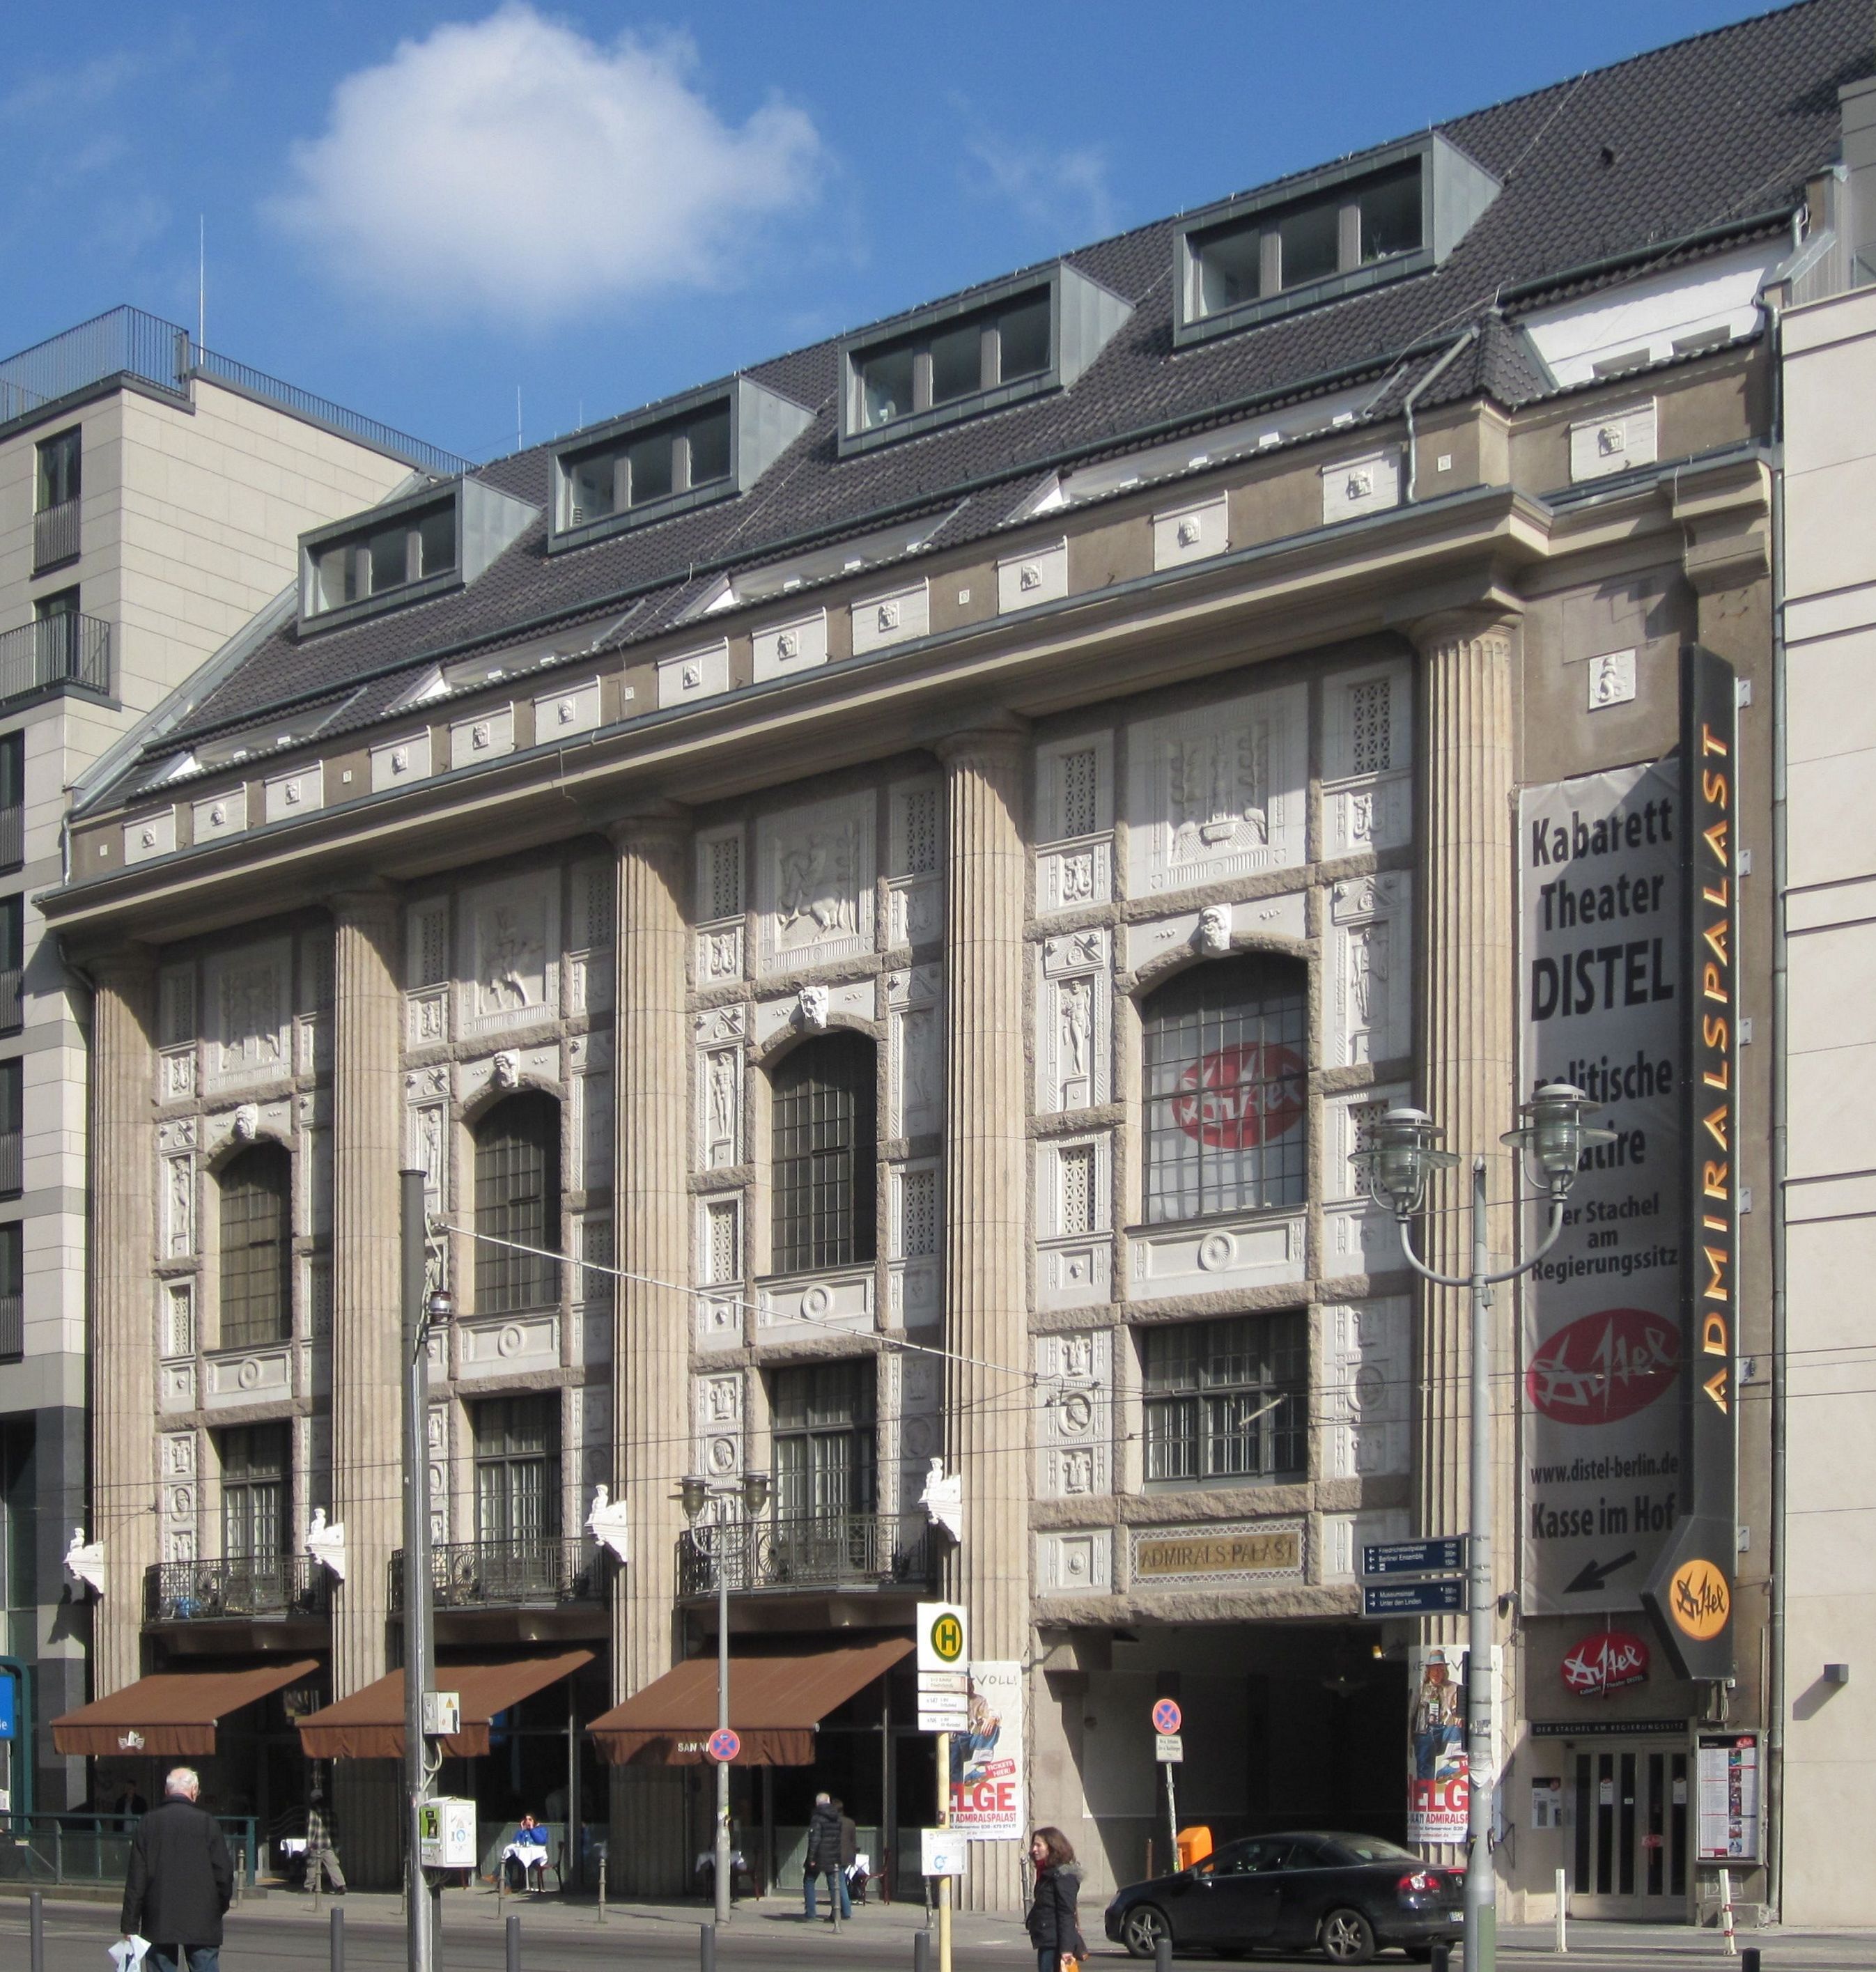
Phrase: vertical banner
{"type": "Point", "coordinates": [1439, 1791]}
{"type": "Point", "coordinates": [1690, 1591]}
{"type": "Point", "coordinates": [1600, 946]}
{"type": "Point", "coordinates": [987, 1757]}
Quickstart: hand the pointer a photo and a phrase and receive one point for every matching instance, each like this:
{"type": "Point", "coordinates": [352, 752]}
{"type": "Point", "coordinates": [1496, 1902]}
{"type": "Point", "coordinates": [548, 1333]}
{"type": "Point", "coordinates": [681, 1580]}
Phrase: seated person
{"type": "Point", "coordinates": [526, 1857]}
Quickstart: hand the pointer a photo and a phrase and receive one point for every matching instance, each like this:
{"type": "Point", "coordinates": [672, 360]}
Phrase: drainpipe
{"type": "Point", "coordinates": [1775, 1665]}
{"type": "Point", "coordinates": [1470, 334]}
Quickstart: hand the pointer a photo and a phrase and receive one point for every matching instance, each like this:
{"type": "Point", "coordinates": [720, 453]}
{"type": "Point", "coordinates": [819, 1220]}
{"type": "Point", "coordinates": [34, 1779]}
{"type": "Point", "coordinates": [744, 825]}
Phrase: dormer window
{"type": "Point", "coordinates": [676, 455]}
{"type": "Point", "coordinates": [1027, 334]}
{"type": "Point", "coordinates": [407, 550]}
{"type": "Point", "coordinates": [1342, 229]}
{"type": "Point", "coordinates": [439, 538]}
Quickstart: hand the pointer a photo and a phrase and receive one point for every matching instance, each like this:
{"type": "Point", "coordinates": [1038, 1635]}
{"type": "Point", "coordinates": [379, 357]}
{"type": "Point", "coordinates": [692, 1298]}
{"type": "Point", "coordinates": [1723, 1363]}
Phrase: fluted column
{"type": "Point", "coordinates": [985, 1216]}
{"type": "Point", "coordinates": [1469, 1076]}
{"type": "Point", "coordinates": [368, 1440]}
{"type": "Point", "coordinates": [651, 1346]}
{"type": "Point", "coordinates": [123, 1341]}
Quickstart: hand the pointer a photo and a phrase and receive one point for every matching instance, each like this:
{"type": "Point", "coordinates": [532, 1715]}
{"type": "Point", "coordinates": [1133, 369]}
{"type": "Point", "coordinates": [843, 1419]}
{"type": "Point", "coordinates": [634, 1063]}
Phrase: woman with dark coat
{"type": "Point", "coordinates": [1054, 1929]}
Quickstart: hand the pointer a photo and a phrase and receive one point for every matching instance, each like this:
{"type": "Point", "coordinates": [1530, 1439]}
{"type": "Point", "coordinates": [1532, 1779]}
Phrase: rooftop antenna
{"type": "Point", "coordinates": [201, 279]}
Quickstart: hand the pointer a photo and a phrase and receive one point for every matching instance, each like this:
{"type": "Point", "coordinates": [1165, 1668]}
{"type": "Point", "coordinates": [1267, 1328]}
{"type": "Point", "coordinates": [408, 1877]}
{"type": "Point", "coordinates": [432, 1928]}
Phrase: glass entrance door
{"type": "Point", "coordinates": [1634, 1825]}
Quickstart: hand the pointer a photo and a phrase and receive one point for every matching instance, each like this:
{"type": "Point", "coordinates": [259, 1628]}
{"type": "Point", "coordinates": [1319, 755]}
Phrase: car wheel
{"type": "Point", "coordinates": [1347, 1937]}
{"type": "Point", "coordinates": [1141, 1929]}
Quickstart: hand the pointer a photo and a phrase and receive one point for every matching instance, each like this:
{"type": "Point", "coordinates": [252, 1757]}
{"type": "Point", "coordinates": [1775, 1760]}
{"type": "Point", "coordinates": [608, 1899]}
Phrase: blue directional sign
{"type": "Point", "coordinates": [9, 1689]}
{"type": "Point", "coordinates": [1412, 1598]}
{"type": "Point", "coordinates": [1445, 1556]}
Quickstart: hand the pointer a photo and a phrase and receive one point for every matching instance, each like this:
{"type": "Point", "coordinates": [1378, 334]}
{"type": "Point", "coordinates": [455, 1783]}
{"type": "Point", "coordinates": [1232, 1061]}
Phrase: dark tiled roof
{"type": "Point", "coordinates": [1723, 128]}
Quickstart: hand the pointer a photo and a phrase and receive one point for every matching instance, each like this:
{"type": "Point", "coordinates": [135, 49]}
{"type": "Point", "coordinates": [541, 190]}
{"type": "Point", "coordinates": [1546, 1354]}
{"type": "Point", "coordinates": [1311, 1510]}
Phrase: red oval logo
{"type": "Point", "coordinates": [1605, 1662]}
{"type": "Point", "coordinates": [1240, 1097]}
{"type": "Point", "coordinates": [1604, 1366]}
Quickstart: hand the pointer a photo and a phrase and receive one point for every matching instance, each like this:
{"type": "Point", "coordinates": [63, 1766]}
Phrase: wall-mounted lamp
{"type": "Point", "coordinates": [1836, 1673]}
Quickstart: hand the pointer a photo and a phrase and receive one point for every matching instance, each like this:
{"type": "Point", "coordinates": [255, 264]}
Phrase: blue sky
{"type": "Point", "coordinates": [416, 209]}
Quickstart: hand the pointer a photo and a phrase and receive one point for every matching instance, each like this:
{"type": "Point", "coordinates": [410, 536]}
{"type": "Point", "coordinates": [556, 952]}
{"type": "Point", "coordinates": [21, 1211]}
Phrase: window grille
{"type": "Point", "coordinates": [257, 1248]}
{"type": "Point", "coordinates": [599, 903]}
{"type": "Point", "coordinates": [724, 1257]}
{"type": "Point", "coordinates": [1226, 1059]}
{"type": "Point", "coordinates": [1079, 782]}
{"type": "Point", "coordinates": [178, 1008]}
{"type": "Point", "coordinates": [1077, 1182]}
{"type": "Point", "coordinates": [824, 1142]}
{"type": "Point", "coordinates": [432, 959]}
{"type": "Point", "coordinates": [1370, 738]}
{"type": "Point", "coordinates": [180, 1340]}
{"type": "Point", "coordinates": [1227, 1402]}
{"type": "Point", "coordinates": [517, 1198]}
{"type": "Point", "coordinates": [921, 814]}
{"type": "Point", "coordinates": [918, 1213]}
{"type": "Point", "coordinates": [725, 883]}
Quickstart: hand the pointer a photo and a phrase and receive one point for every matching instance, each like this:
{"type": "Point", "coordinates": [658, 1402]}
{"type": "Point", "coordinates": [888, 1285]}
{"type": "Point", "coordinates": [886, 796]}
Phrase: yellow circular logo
{"type": "Point", "coordinates": [1699, 1600]}
{"type": "Point", "coordinates": [947, 1638]}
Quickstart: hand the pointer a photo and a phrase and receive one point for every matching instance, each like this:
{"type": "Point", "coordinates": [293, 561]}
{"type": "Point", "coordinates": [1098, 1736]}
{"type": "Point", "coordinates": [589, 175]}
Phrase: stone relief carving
{"type": "Point", "coordinates": [722, 1106]}
{"type": "Point", "coordinates": [815, 882]}
{"type": "Point", "coordinates": [1075, 1449]}
{"type": "Point", "coordinates": [179, 1207]}
{"type": "Point", "coordinates": [1366, 1387]}
{"type": "Point", "coordinates": [1368, 1010]}
{"type": "Point", "coordinates": [1074, 1008]}
{"type": "Point", "coordinates": [1213, 936]}
{"type": "Point", "coordinates": [249, 1000]}
{"type": "Point", "coordinates": [511, 931]}
{"type": "Point", "coordinates": [811, 1009]}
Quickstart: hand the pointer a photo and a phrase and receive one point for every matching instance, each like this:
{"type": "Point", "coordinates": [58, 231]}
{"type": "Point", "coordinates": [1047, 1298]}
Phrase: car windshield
{"type": "Point", "coordinates": [1372, 1849]}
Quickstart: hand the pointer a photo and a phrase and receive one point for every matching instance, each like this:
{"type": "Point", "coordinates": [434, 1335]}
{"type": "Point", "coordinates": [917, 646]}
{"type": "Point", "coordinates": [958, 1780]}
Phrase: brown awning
{"type": "Point", "coordinates": [369, 1725]}
{"type": "Point", "coordinates": [776, 1701]}
{"type": "Point", "coordinates": [172, 1711]}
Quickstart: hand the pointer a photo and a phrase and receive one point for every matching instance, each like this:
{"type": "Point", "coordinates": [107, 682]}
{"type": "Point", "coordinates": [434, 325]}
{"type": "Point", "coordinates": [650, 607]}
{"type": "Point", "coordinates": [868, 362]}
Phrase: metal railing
{"type": "Point", "coordinates": [55, 535]}
{"type": "Point", "coordinates": [12, 1006]}
{"type": "Point", "coordinates": [808, 1550]}
{"type": "Point", "coordinates": [87, 1848]}
{"type": "Point", "coordinates": [506, 1574]}
{"type": "Point", "coordinates": [12, 835]}
{"type": "Point", "coordinates": [12, 1326]}
{"type": "Point", "coordinates": [217, 1592]}
{"type": "Point", "coordinates": [12, 1161]}
{"type": "Point", "coordinates": [68, 649]}
{"type": "Point", "coordinates": [126, 342]}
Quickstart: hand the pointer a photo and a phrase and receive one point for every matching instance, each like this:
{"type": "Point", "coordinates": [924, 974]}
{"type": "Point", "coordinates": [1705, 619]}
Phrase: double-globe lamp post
{"type": "Point", "coordinates": [1401, 1154]}
{"type": "Point", "coordinates": [693, 1492]}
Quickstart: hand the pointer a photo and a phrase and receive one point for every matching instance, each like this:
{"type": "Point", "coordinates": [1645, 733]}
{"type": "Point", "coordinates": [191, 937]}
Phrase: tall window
{"type": "Point", "coordinates": [12, 1124]}
{"type": "Point", "coordinates": [821, 1423]}
{"type": "Point", "coordinates": [257, 1248]}
{"type": "Point", "coordinates": [58, 476]}
{"type": "Point", "coordinates": [18, 1577]}
{"type": "Point", "coordinates": [1225, 1055]}
{"type": "Point", "coordinates": [824, 1167]}
{"type": "Point", "coordinates": [12, 963]}
{"type": "Point", "coordinates": [12, 801]}
{"type": "Point", "coordinates": [255, 1463]}
{"type": "Point", "coordinates": [1226, 1402]}
{"type": "Point", "coordinates": [517, 1469]}
{"type": "Point", "coordinates": [12, 1292]}
{"type": "Point", "coordinates": [518, 1199]}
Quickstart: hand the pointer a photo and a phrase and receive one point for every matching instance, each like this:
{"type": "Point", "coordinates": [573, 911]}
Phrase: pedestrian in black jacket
{"type": "Point", "coordinates": [1054, 1929]}
{"type": "Point", "coordinates": [823, 1859]}
{"type": "Point", "coordinates": [180, 1880]}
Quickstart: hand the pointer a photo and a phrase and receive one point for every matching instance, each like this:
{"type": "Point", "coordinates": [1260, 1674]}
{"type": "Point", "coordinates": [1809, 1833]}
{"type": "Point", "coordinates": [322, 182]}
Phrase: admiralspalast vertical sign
{"type": "Point", "coordinates": [1690, 1592]}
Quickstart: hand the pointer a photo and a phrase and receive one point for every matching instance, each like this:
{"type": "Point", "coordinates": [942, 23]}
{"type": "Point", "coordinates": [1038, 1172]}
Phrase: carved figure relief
{"type": "Point", "coordinates": [511, 931]}
{"type": "Point", "coordinates": [1073, 1002]}
{"type": "Point", "coordinates": [250, 1005]}
{"type": "Point", "coordinates": [1368, 1010]}
{"type": "Point", "coordinates": [815, 882]}
{"type": "Point", "coordinates": [722, 1105]}
{"type": "Point", "coordinates": [1074, 1453]}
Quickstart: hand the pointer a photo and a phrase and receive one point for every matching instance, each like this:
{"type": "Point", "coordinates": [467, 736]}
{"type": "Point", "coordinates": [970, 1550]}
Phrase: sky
{"type": "Point", "coordinates": [423, 211]}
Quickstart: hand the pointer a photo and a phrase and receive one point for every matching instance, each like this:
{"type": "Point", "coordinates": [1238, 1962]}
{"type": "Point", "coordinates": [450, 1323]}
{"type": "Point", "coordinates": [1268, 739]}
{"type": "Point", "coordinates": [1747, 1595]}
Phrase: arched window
{"type": "Point", "coordinates": [1224, 1057]}
{"type": "Point", "coordinates": [517, 1198]}
{"type": "Point", "coordinates": [257, 1248]}
{"type": "Point", "coordinates": [823, 1161]}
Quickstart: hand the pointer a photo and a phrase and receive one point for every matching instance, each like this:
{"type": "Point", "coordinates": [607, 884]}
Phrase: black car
{"type": "Point", "coordinates": [1351, 1895]}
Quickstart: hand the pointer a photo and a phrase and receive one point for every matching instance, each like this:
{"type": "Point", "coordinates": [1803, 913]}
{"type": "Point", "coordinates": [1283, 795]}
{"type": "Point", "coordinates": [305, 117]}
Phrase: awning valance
{"type": "Point", "coordinates": [170, 1712]}
{"type": "Point", "coordinates": [369, 1725]}
{"type": "Point", "coordinates": [776, 1700]}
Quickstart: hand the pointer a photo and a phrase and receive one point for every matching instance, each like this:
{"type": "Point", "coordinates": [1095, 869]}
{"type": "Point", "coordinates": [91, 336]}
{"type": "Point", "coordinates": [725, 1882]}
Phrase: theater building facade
{"type": "Point", "coordinates": [881, 901]}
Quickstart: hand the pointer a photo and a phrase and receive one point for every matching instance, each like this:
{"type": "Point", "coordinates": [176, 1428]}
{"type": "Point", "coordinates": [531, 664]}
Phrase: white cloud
{"type": "Point", "coordinates": [1063, 191]}
{"type": "Point", "coordinates": [514, 166]}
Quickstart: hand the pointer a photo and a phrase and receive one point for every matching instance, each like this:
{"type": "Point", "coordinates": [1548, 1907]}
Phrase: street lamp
{"type": "Point", "coordinates": [1402, 1154]}
{"type": "Point", "coordinates": [694, 1492]}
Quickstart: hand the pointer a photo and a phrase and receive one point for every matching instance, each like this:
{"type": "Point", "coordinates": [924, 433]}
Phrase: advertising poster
{"type": "Point", "coordinates": [987, 1758]}
{"type": "Point", "coordinates": [1728, 1798]}
{"type": "Point", "coordinates": [1438, 1791]}
{"type": "Point", "coordinates": [1601, 889]}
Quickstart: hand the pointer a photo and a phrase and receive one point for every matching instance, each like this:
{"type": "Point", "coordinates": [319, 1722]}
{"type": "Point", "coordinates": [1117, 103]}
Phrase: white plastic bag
{"type": "Point", "coordinates": [127, 1953]}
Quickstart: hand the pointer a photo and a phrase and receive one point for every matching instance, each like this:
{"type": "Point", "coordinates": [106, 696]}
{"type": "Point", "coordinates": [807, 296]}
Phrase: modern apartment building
{"type": "Point", "coordinates": [152, 494]}
{"type": "Point", "coordinates": [882, 894]}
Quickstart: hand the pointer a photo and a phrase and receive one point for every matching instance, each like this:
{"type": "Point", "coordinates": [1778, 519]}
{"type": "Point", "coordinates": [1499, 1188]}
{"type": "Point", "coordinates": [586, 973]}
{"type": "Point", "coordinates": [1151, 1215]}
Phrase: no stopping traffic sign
{"type": "Point", "coordinates": [1166, 1716]}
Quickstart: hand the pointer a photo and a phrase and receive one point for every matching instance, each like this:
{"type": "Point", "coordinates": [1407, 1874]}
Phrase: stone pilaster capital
{"type": "Point", "coordinates": [657, 823]}
{"type": "Point", "coordinates": [1478, 623]}
{"type": "Point", "coordinates": [371, 902]}
{"type": "Point", "coordinates": [125, 967]}
{"type": "Point", "coordinates": [993, 736]}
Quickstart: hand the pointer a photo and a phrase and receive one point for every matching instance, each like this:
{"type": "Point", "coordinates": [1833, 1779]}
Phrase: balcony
{"type": "Point", "coordinates": [56, 651]}
{"type": "Point", "coordinates": [55, 536]}
{"type": "Point", "coordinates": [811, 1551]}
{"type": "Point", "coordinates": [536, 1574]}
{"type": "Point", "coordinates": [223, 1592]}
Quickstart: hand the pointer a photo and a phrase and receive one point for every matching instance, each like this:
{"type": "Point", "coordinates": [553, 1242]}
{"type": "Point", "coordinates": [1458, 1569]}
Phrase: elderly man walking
{"type": "Point", "coordinates": [180, 1882]}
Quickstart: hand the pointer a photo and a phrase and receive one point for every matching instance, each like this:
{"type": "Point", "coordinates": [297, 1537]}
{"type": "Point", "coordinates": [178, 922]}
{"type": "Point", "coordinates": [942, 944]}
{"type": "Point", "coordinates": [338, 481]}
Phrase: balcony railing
{"type": "Point", "coordinates": [217, 1592]}
{"type": "Point", "coordinates": [507, 1575]}
{"type": "Point", "coordinates": [808, 1550]}
{"type": "Point", "coordinates": [55, 650]}
{"type": "Point", "coordinates": [12, 835]}
{"type": "Point", "coordinates": [55, 535]}
{"type": "Point", "coordinates": [12, 1326]}
{"type": "Point", "coordinates": [12, 1162]}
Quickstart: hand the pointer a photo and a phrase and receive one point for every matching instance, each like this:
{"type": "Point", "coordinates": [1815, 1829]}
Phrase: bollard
{"type": "Point", "coordinates": [240, 1874]}
{"type": "Point", "coordinates": [36, 1930]}
{"type": "Point", "coordinates": [707, 1947]}
{"type": "Point", "coordinates": [1725, 1913]}
{"type": "Point", "coordinates": [1163, 1954]}
{"type": "Point", "coordinates": [1442, 1956]}
{"type": "Point", "coordinates": [1559, 1940]}
{"type": "Point", "coordinates": [921, 1952]}
{"type": "Point", "coordinates": [514, 1928]}
{"type": "Point", "coordinates": [1749, 1959]}
{"type": "Point", "coordinates": [601, 1918]}
{"type": "Point", "coordinates": [338, 1939]}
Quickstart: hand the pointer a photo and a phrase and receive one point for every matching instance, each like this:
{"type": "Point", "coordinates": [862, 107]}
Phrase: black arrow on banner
{"type": "Point", "coordinates": [1594, 1574]}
